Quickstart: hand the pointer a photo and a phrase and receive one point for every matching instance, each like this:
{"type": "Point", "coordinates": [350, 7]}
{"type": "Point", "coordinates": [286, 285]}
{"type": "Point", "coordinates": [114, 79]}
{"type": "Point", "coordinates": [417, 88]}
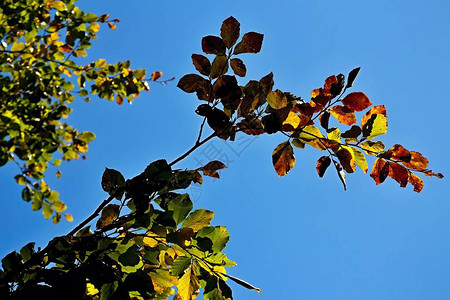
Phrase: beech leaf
{"type": "Point", "coordinates": [356, 101]}
{"type": "Point", "coordinates": [283, 158]}
{"type": "Point", "coordinates": [238, 67]}
{"type": "Point", "coordinates": [352, 76]}
{"type": "Point", "coordinates": [322, 164]}
{"type": "Point", "coordinates": [213, 45]}
{"type": "Point", "coordinates": [251, 43]}
{"type": "Point", "coordinates": [230, 31]}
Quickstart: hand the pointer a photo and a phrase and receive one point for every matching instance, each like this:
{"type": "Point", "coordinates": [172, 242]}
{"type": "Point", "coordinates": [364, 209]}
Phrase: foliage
{"type": "Point", "coordinates": [150, 240]}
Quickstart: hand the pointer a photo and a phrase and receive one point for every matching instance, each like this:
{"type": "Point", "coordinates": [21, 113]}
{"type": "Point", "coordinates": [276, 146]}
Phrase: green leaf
{"type": "Point", "coordinates": [130, 257]}
{"type": "Point", "coordinates": [68, 86]}
{"type": "Point", "coordinates": [87, 137]}
{"type": "Point", "coordinates": [180, 264]}
{"type": "Point", "coordinates": [27, 251]}
{"type": "Point", "coordinates": [188, 285]}
{"type": "Point", "coordinates": [181, 206]}
{"type": "Point", "coordinates": [198, 219]}
{"type": "Point", "coordinates": [47, 211]}
{"type": "Point", "coordinates": [218, 235]}
{"type": "Point", "coordinates": [219, 66]}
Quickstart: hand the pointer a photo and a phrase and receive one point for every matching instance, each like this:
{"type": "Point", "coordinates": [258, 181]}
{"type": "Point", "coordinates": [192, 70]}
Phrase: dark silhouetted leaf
{"type": "Point", "coordinates": [356, 101]}
{"type": "Point", "coordinates": [194, 83]}
{"type": "Point", "coordinates": [219, 66]}
{"type": "Point", "coordinates": [283, 158]}
{"type": "Point", "coordinates": [213, 45]}
{"type": "Point", "coordinates": [111, 181]}
{"type": "Point", "coordinates": [201, 64]}
{"type": "Point", "coordinates": [243, 283]}
{"type": "Point", "coordinates": [322, 165]}
{"type": "Point", "coordinates": [251, 43]}
{"type": "Point", "coordinates": [267, 83]}
{"type": "Point", "coordinates": [324, 119]}
{"type": "Point", "coordinates": [352, 76]}
{"type": "Point", "coordinates": [346, 159]}
{"type": "Point", "coordinates": [230, 31]}
{"type": "Point", "coordinates": [109, 214]}
{"type": "Point", "coordinates": [352, 133]}
{"type": "Point", "coordinates": [238, 67]}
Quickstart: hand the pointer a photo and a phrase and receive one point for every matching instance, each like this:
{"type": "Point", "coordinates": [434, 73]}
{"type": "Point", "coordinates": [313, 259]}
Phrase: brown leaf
{"type": "Point", "coordinates": [324, 120]}
{"type": "Point", "coordinates": [230, 31]}
{"type": "Point", "coordinates": [380, 171]}
{"type": "Point", "coordinates": [195, 83]}
{"type": "Point", "coordinates": [267, 83]}
{"type": "Point", "coordinates": [379, 109]}
{"type": "Point", "coordinates": [357, 101]}
{"type": "Point", "coordinates": [283, 158]}
{"type": "Point", "coordinates": [156, 75]}
{"type": "Point", "coordinates": [251, 43]}
{"type": "Point", "coordinates": [352, 76]}
{"type": "Point", "coordinates": [201, 64]}
{"type": "Point", "coordinates": [238, 67]}
{"type": "Point", "coordinates": [346, 159]}
{"type": "Point", "coordinates": [213, 45]}
{"type": "Point", "coordinates": [352, 133]}
{"type": "Point", "coordinates": [210, 169]}
{"type": "Point", "coordinates": [227, 89]}
{"type": "Point", "coordinates": [398, 152]}
{"type": "Point", "coordinates": [416, 181]}
{"type": "Point", "coordinates": [251, 126]}
{"type": "Point", "coordinates": [431, 174]}
{"type": "Point", "coordinates": [109, 214]}
{"type": "Point", "coordinates": [103, 18]}
{"type": "Point", "coordinates": [330, 82]}
{"type": "Point", "coordinates": [219, 66]}
{"type": "Point", "coordinates": [322, 164]}
{"type": "Point", "coordinates": [398, 173]}
{"type": "Point", "coordinates": [343, 114]}
{"type": "Point", "coordinates": [417, 161]}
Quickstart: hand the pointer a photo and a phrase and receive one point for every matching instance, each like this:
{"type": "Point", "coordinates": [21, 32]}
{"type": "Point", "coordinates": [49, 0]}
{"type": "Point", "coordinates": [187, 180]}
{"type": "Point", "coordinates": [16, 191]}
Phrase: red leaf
{"type": "Point", "coordinates": [357, 101]}
{"type": "Point", "coordinates": [322, 164]}
{"type": "Point", "coordinates": [399, 174]}
{"type": "Point", "coordinates": [417, 161]}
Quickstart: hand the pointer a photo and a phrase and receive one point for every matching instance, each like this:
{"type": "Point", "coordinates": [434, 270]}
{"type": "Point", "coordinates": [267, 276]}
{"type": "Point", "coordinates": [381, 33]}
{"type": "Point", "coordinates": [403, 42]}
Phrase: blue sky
{"type": "Point", "coordinates": [299, 236]}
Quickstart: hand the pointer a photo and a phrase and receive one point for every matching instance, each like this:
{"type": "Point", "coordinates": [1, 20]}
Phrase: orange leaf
{"type": "Point", "coordinates": [399, 174]}
{"type": "Point", "coordinates": [417, 161]}
{"type": "Point", "coordinates": [329, 83]}
{"type": "Point", "coordinates": [156, 75]}
{"type": "Point", "coordinates": [283, 158]}
{"type": "Point", "coordinates": [322, 164]}
{"type": "Point", "coordinates": [416, 181]}
{"type": "Point", "coordinates": [398, 152]}
{"type": "Point", "coordinates": [379, 170]}
{"type": "Point", "coordinates": [379, 109]}
{"type": "Point", "coordinates": [343, 114]}
{"type": "Point", "coordinates": [356, 101]}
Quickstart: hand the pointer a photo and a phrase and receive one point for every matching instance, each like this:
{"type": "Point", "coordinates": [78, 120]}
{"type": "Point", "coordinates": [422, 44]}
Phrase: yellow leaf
{"type": "Point", "coordinates": [17, 47]}
{"type": "Point", "coordinates": [293, 119]}
{"type": "Point", "coordinates": [376, 126]}
{"type": "Point", "coordinates": [188, 285]}
{"type": "Point", "coordinates": [372, 148]}
{"type": "Point", "coordinates": [283, 158]}
{"type": "Point", "coordinates": [59, 5]}
{"type": "Point", "coordinates": [360, 159]}
{"type": "Point", "coordinates": [93, 28]}
{"type": "Point", "coordinates": [59, 206]}
{"type": "Point", "coordinates": [150, 242]}
{"type": "Point", "coordinates": [310, 133]}
{"type": "Point", "coordinates": [277, 99]}
{"type": "Point", "coordinates": [91, 290]}
{"type": "Point", "coordinates": [334, 135]}
{"type": "Point", "coordinates": [68, 217]}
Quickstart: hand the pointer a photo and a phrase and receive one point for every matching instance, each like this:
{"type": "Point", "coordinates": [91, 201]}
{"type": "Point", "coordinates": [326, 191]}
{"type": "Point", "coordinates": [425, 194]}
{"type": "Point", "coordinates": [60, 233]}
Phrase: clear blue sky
{"type": "Point", "coordinates": [296, 237]}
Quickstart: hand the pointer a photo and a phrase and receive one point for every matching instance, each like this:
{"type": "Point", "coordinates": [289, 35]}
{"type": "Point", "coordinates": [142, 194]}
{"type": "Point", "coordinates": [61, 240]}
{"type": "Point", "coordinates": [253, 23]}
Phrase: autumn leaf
{"type": "Point", "coordinates": [156, 75]}
{"type": "Point", "coordinates": [343, 114]}
{"type": "Point", "coordinates": [375, 126]}
{"type": "Point", "coordinates": [283, 158]}
{"type": "Point", "coordinates": [238, 67]}
{"type": "Point", "coordinates": [352, 133]}
{"type": "Point", "coordinates": [416, 162]}
{"type": "Point", "coordinates": [345, 156]}
{"type": "Point", "coordinates": [371, 147]}
{"type": "Point", "coordinates": [322, 164]}
{"type": "Point", "coordinates": [352, 76]}
{"type": "Point", "coordinates": [219, 66]}
{"type": "Point", "coordinates": [398, 173]}
{"type": "Point", "coordinates": [378, 109]}
{"type": "Point", "coordinates": [380, 170]}
{"type": "Point", "coordinates": [416, 182]}
{"type": "Point", "coordinates": [213, 45]}
{"type": "Point", "coordinates": [210, 169]}
{"type": "Point", "coordinates": [251, 43]}
{"type": "Point", "coordinates": [109, 214]}
{"type": "Point", "coordinates": [194, 83]}
{"type": "Point", "coordinates": [201, 64]}
{"type": "Point", "coordinates": [188, 285]}
{"type": "Point", "coordinates": [356, 101]}
{"type": "Point", "coordinates": [111, 181]}
{"type": "Point", "coordinates": [277, 99]}
{"type": "Point", "coordinates": [360, 159]}
{"type": "Point", "coordinates": [230, 31]}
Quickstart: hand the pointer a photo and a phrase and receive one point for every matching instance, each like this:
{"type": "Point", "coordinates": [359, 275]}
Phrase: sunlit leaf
{"type": "Point", "coordinates": [345, 156]}
{"type": "Point", "coordinates": [360, 159]}
{"type": "Point", "coordinates": [375, 126]}
{"type": "Point", "coordinates": [380, 170]}
{"type": "Point", "coordinates": [188, 285]}
{"type": "Point", "coordinates": [283, 158]}
{"type": "Point", "coordinates": [277, 99]}
{"type": "Point", "coordinates": [293, 120]}
{"type": "Point", "coordinates": [416, 182]}
{"type": "Point", "coordinates": [372, 148]}
{"type": "Point", "coordinates": [251, 43]}
{"type": "Point", "coordinates": [156, 75]}
{"type": "Point", "coordinates": [198, 219]}
{"type": "Point", "coordinates": [343, 114]}
{"type": "Point", "coordinates": [68, 217]}
{"type": "Point", "coordinates": [398, 173]}
{"type": "Point", "coordinates": [379, 109]}
{"type": "Point", "coordinates": [356, 101]}
{"type": "Point", "coordinates": [243, 283]}
{"type": "Point", "coordinates": [416, 162]}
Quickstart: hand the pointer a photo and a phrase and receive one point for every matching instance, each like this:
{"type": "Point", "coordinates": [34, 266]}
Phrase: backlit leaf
{"type": "Point", "coordinates": [238, 67]}
{"type": "Point", "coordinates": [251, 43]}
{"type": "Point", "coordinates": [417, 161]}
{"type": "Point", "coordinates": [68, 217]}
{"type": "Point", "coordinates": [380, 170]}
{"type": "Point", "coordinates": [398, 173]}
{"type": "Point", "coordinates": [198, 219]}
{"type": "Point", "coordinates": [201, 64]}
{"type": "Point", "coordinates": [379, 109]}
{"type": "Point", "coordinates": [230, 31]}
{"type": "Point", "coordinates": [213, 45]}
{"type": "Point", "coordinates": [210, 169]}
{"type": "Point", "coordinates": [277, 99]}
{"type": "Point", "coordinates": [343, 114]}
{"type": "Point", "coordinates": [322, 164]}
{"type": "Point", "coordinates": [375, 126]}
{"type": "Point", "coordinates": [188, 285]}
{"type": "Point", "coordinates": [283, 158]}
{"type": "Point", "coordinates": [293, 120]}
{"type": "Point", "coordinates": [360, 159]}
{"type": "Point", "coordinates": [156, 75]}
{"type": "Point", "coordinates": [372, 148]}
{"type": "Point", "coordinates": [109, 214]}
{"type": "Point", "coordinates": [416, 181]}
{"type": "Point", "coordinates": [356, 101]}
{"type": "Point", "coordinates": [345, 156]}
